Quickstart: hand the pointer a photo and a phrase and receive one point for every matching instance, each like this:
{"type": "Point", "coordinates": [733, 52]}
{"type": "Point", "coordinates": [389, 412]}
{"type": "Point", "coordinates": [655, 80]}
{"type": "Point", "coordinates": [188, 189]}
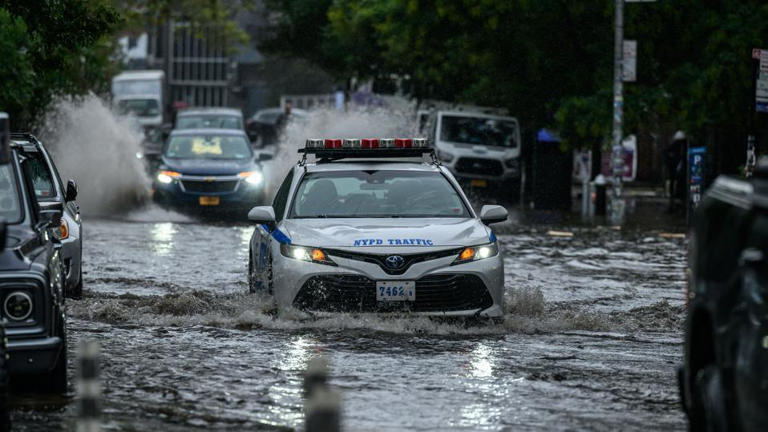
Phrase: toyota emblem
{"type": "Point", "coordinates": [394, 262]}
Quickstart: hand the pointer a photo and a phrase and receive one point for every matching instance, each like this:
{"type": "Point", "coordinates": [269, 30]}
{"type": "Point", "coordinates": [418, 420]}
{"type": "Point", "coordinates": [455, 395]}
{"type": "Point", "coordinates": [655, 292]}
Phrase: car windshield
{"type": "Point", "coordinates": [208, 147]}
{"type": "Point", "coordinates": [478, 130]}
{"type": "Point", "coordinates": [10, 209]}
{"type": "Point", "coordinates": [209, 121]}
{"type": "Point", "coordinates": [377, 194]}
{"type": "Point", "coordinates": [140, 107]}
{"type": "Point", "coordinates": [136, 87]}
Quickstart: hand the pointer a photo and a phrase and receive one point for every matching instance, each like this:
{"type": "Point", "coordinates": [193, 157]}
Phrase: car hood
{"type": "Point", "coordinates": [435, 233]}
{"type": "Point", "coordinates": [209, 166]}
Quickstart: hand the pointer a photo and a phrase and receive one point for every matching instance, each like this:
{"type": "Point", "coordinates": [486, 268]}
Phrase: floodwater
{"type": "Point", "coordinates": [590, 341]}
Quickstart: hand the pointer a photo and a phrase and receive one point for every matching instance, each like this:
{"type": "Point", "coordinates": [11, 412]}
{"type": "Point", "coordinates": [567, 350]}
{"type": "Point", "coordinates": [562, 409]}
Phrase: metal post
{"type": "Point", "coordinates": [88, 388]}
{"type": "Point", "coordinates": [323, 404]}
{"type": "Point", "coordinates": [5, 410]}
{"type": "Point", "coordinates": [617, 154]}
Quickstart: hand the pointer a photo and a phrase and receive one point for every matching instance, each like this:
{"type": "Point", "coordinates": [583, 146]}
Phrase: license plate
{"type": "Point", "coordinates": [396, 291]}
{"type": "Point", "coordinates": [478, 183]}
{"type": "Point", "coordinates": [209, 200]}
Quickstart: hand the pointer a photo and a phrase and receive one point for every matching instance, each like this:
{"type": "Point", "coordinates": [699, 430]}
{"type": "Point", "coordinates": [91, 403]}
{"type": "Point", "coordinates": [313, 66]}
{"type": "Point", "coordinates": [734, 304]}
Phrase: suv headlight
{"type": "Point", "coordinates": [17, 306]}
{"type": "Point", "coordinates": [476, 253]}
{"type": "Point", "coordinates": [303, 253]}
{"type": "Point", "coordinates": [166, 177]}
{"type": "Point", "coordinates": [253, 178]}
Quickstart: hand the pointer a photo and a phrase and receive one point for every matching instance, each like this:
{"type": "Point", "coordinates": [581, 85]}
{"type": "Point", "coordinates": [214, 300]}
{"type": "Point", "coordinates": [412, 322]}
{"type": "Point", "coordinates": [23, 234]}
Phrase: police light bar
{"type": "Point", "coordinates": [336, 148]}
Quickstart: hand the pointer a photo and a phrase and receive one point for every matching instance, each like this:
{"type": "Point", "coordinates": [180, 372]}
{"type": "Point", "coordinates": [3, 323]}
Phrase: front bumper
{"type": "Point", "coordinates": [33, 356]}
{"type": "Point", "coordinates": [442, 289]}
{"type": "Point", "coordinates": [232, 193]}
{"type": "Point", "coordinates": [493, 170]}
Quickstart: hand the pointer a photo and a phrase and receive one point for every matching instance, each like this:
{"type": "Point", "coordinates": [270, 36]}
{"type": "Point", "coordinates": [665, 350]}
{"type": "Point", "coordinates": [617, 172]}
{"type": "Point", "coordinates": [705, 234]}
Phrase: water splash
{"type": "Point", "coordinates": [353, 123]}
{"type": "Point", "coordinates": [97, 148]}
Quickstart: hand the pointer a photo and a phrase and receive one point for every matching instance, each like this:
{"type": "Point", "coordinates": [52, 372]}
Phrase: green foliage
{"type": "Point", "coordinates": [549, 61]}
{"type": "Point", "coordinates": [54, 48]}
{"type": "Point", "coordinates": [16, 74]}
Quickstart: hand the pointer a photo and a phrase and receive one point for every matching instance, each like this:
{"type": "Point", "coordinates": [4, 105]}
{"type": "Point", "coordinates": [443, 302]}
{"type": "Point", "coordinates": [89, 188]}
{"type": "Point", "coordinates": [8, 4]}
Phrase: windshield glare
{"type": "Point", "coordinates": [10, 209]}
{"type": "Point", "coordinates": [373, 194]}
{"type": "Point", "coordinates": [208, 147]}
{"type": "Point", "coordinates": [481, 131]}
{"type": "Point", "coordinates": [209, 121]}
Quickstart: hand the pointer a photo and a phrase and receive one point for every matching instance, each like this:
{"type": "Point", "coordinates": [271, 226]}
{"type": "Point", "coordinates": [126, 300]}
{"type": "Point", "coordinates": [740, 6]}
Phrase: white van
{"type": "Point", "coordinates": [481, 148]}
{"type": "Point", "coordinates": [141, 93]}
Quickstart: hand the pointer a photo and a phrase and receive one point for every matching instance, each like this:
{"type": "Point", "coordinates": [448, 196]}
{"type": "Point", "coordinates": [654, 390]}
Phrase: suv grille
{"type": "Point", "coordinates": [199, 186]}
{"type": "Point", "coordinates": [479, 166]}
{"type": "Point", "coordinates": [435, 293]}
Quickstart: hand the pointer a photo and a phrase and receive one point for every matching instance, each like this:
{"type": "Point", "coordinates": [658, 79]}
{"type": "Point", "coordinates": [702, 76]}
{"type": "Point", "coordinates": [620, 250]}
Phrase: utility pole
{"type": "Point", "coordinates": [617, 154]}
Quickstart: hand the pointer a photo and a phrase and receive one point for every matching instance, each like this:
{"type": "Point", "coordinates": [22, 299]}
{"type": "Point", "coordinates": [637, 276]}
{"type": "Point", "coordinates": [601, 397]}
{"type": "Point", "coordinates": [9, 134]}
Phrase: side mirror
{"type": "Point", "coordinates": [265, 157]}
{"type": "Point", "coordinates": [71, 193]}
{"type": "Point", "coordinates": [50, 213]}
{"type": "Point", "coordinates": [491, 214]}
{"type": "Point", "coordinates": [262, 214]}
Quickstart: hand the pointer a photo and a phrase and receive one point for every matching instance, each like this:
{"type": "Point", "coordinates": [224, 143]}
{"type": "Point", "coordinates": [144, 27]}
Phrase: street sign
{"type": "Point", "coordinates": [761, 86]}
{"type": "Point", "coordinates": [629, 59]}
{"type": "Point", "coordinates": [696, 171]}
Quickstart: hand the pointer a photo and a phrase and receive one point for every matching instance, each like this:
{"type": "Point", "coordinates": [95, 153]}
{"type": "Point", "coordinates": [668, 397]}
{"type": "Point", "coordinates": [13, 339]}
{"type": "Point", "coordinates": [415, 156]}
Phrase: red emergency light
{"type": "Point", "coordinates": [332, 143]}
{"type": "Point", "coordinates": [369, 143]}
{"type": "Point", "coordinates": [403, 143]}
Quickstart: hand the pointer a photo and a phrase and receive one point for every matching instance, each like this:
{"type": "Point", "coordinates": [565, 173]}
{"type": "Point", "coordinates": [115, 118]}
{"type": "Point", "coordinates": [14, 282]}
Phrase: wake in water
{"type": "Point", "coordinates": [97, 148]}
{"type": "Point", "coordinates": [329, 123]}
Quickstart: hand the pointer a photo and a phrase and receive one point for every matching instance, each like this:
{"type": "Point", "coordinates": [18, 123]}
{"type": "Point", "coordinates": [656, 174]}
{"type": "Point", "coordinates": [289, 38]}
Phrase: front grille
{"type": "Point", "coordinates": [379, 259]}
{"type": "Point", "coordinates": [434, 293]}
{"type": "Point", "coordinates": [202, 186]}
{"type": "Point", "coordinates": [479, 166]}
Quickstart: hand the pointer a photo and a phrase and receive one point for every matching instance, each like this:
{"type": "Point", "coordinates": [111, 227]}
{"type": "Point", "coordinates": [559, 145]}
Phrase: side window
{"type": "Point", "coordinates": [37, 170]}
{"type": "Point", "coordinates": [281, 198]}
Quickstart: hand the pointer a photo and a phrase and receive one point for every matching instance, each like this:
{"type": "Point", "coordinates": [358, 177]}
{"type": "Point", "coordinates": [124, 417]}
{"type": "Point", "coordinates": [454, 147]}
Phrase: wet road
{"type": "Point", "coordinates": [590, 340]}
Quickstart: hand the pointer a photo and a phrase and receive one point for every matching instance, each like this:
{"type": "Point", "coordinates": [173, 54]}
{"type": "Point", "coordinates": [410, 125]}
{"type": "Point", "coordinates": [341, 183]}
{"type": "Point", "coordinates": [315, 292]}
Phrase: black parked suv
{"type": "Point", "coordinates": [31, 283]}
{"type": "Point", "coordinates": [724, 378]}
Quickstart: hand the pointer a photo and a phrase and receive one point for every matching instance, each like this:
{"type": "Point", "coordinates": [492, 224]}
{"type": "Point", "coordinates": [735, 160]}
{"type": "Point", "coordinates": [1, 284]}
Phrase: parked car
{"type": "Point", "coordinates": [725, 367]}
{"type": "Point", "coordinates": [51, 192]}
{"type": "Point", "coordinates": [265, 126]}
{"type": "Point", "coordinates": [32, 282]}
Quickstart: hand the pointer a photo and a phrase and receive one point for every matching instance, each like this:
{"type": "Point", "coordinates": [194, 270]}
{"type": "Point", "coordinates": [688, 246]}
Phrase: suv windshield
{"type": "Point", "coordinates": [377, 194]}
{"type": "Point", "coordinates": [208, 147]}
{"type": "Point", "coordinates": [478, 130]}
{"type": "Point", "coordinates": [209, 121]}
{"type": "Point", "coordinates": [10, 209]}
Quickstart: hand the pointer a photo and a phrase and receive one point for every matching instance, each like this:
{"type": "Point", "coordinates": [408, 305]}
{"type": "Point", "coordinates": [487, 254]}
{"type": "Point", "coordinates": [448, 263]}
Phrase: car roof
{"type": "Point", "coordinates": [383, 165]}
{"type": "Point", "coordinates": [207, 131]}
{"type": "Point", "coordinates": [139, 75]}
{"type": "Point", "coordinates": [210, 110]}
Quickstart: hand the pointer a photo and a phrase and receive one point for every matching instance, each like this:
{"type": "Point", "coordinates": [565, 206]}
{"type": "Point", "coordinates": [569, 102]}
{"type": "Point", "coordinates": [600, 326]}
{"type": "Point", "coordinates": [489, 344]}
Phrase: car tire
{"type": "Point", "coordinates": [710, 396]}
{"type": "Point", "coordinates": [76, 292]}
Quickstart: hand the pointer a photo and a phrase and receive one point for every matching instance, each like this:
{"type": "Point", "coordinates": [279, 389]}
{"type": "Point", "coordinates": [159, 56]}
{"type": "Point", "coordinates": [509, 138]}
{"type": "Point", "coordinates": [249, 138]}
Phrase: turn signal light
{"type": "Point", "coordinates": [467, 254]}
{"type": "Point", "coordinates": [318, 255]}
{"type": "Point", "coordinates": [64, 230]}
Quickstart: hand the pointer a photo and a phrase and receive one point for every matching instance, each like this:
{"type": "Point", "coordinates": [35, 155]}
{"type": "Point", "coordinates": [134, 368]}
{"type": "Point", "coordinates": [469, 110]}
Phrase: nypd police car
{"type": "Point", "coordinates": [376, 225]}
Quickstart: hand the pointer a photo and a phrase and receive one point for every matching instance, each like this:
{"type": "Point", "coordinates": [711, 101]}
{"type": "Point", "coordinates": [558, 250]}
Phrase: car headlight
{"type": "Point", "coordinates": [476, 253]}
{"type": "Point", "coordinates": [302, 253]}
{"type": "Point", "coordinates": [166, 177]}
{"type": "Point", "coordinates": [444, 156]}
{"type": "Point", "coordinates": [252, 177]}
{"type": "Point", "coordinates": [17, 305]}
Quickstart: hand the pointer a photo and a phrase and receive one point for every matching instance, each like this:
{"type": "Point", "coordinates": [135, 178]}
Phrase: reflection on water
{"type": "Point", "coordinates": [481, 361]}
{"type": "Point", "coordinates": [162, 238]}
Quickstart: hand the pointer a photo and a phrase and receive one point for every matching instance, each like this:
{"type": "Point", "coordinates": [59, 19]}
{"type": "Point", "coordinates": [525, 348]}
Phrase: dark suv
{"type": "Point", "coordinates": [724, 378]}
{"type": "Point", "coordinates": [31, 282]}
